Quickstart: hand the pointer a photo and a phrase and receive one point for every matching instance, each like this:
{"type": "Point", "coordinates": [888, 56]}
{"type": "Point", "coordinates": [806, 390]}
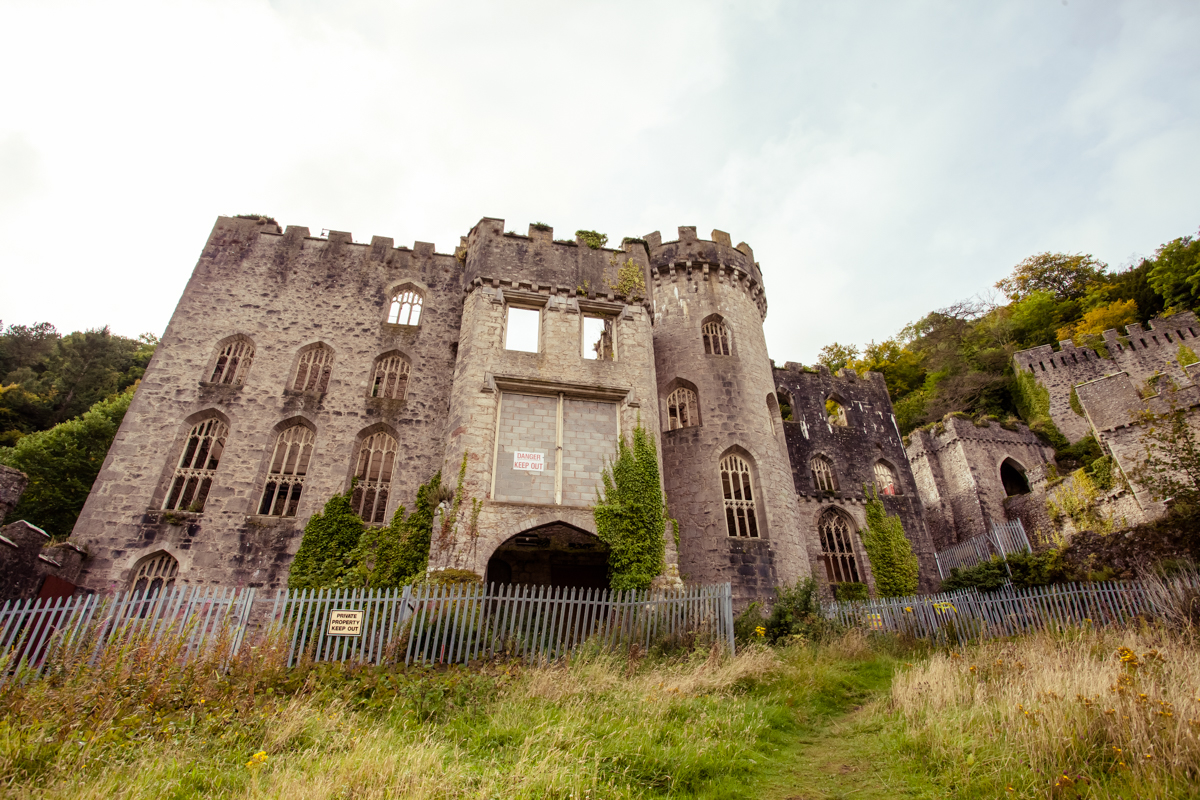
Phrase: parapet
{"type": "Point", "coordinates": [707, 258]}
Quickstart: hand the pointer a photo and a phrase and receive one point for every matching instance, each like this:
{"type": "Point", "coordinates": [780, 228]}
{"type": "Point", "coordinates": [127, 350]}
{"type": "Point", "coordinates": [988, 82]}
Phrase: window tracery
{"type": "Point", "coordinates": [376, 460]}
{"type": "Point", "coordinates": [837, 548]}
{"type": "Point", "coordinates": [885, 478]}
{"type": "Point", "coordinates": [285, 477]}
{"type": "Point", "coordinates": [738, 489]}
{"type": "Point", "coordinates": [313, 370]}
{"type": "Point", "coordinates": [153, 575]}
{"type": "Point", "coordinates": [233, 362]}
{"type": "Point", "coordinates": [681, 409]}
{"type": "Point", "coordinates": [822, 474]}
{"type": "Point", "coordinates": [197, 465]}
{"type": "Point", "coordinates": [716, 338]}
{"type": "Point", "coordinates": [406, 308]}
{"type": "Point", "coordinates": [390, 380]}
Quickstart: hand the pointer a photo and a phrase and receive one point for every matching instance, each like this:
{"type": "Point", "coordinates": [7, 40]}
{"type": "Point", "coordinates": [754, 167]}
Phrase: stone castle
{"type": "Point", "coordinates": [294, 365]}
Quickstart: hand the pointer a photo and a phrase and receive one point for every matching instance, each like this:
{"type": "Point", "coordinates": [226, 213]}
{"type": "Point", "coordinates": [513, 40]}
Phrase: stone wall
{"type": "Point", "coordinates": [12, 484]}
{"type": "Point", "coordinates": [696, 281]}
{"type": "Point", "coordinates": [1138, 352]}
{"type": "Point", "coordinates": [27, 557]}
{"type": "Point", "coordinates": [282, 292]}
{"type": "Point", "coordinates": [869, 436]}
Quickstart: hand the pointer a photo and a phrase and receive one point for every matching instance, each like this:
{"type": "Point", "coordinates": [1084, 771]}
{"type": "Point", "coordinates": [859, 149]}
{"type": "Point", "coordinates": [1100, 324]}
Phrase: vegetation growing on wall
{"type": "Point", "coordinates": [1033, 403]}
{"type": "Point", "coordinates": [630, 282]}
{"type": "Point", "coordinates": [1172, 464]}
{"type": "Point", "coordinates": [631, 514]}
{"type": "Point", "coordinates": [62, 464]}
{"type": "Point", "coordinates": [1079, 499]}
{"type": "Point", "coordinates": [398, 555]}
{"type": "Point", "coordinates": [593, 239]}
{"type": "Point", "coordinates": [1186, 355]}
{"type": "Point", "coordinates": [329, 539]}
{"type": "Point", "coordinates": [892, 560]}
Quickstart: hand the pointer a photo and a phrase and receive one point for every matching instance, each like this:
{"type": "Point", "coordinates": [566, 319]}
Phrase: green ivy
{"type": "Point", "coordinates": [888, 549]}
{"type": "Point", "coordinates": [631, 515]}
{"type": "Point", "coordinates": [630, 282]}
{"type": "Point", "coordinates": [850, 591]}
{"type": "Point", "coordinates": [1075, 404]}
{"type": "Point", "coordinates": [330, 537]}
{"type": "Point", "coordinates": [398, 555]}
{"type": "Point", "coordinates": [1186, 355]}
{"type": "Point", "coordinates": [593, 239]}
{"type": "Point", "coordinates": [1033, 404]}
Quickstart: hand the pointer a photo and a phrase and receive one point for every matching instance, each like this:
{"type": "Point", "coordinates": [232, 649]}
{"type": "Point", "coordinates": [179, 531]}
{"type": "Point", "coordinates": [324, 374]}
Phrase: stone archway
{"type": "Point", "coordinates": [1012, 475]}
{"type": "Point", "coordinates": [555, 554]}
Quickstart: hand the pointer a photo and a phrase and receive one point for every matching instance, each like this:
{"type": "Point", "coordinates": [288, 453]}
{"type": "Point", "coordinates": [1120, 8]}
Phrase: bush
{"type": "Point", "coordinates": [1028, 569]}
{"type": "Point", "coordinates": [745, 627]}
{"type": "Point", "coordinates": [986, 577]}
{"type": "Point", "coordinates": [797, 613]}
{"type": "Point", "coordinates": [843, 592]}
{"type": "Point", "coordinates": [325, 553]}
{"type": "Point", "coordinates": [631, 515]}
{"type": "Point", "coordinates": [891, 555]}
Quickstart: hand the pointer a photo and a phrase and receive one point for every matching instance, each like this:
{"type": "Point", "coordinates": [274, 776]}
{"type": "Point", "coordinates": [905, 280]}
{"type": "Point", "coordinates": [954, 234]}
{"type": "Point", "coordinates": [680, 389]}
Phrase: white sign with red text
{"type": "Point", "coordinates": [530, 462]}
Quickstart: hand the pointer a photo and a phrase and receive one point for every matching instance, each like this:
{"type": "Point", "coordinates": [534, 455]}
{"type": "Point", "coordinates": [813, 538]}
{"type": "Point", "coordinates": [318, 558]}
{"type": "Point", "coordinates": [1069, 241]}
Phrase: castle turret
{"type": "Point", "coordinates": [726, 470]}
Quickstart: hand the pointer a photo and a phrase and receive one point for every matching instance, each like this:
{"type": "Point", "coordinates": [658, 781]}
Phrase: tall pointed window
{"type": "Point", "coordinates": [681, 409]}
{"type": "Point", "coordinates": [885, 478]}
{"type": "Point", "coordinates": [313, 369]}
{"type": "Point", "coordinates": [836, 413]}
{"type": "Point", "coordinates": [739, 497]}
{"type": "Point", "coordinates": [376, 459]}
{"type": "Point", "coordinates": [716, 338]}
{"type": "Point", "coordinates": [406, 308]}
{"type": "Point", "coordinates": [285, 478]}
{"type": "Point", "coordinates": [837, 548]}
{"type": "Point", "coordinates": [233, 362]}
{"type": "Point", "coordinates": [197, 466]}
{"type": "Point", "coordinates": [822, 474]}
{"type": "Point", "coordinates": [154, 574]}
{"type": "Point", "coordinates": [390, 380]}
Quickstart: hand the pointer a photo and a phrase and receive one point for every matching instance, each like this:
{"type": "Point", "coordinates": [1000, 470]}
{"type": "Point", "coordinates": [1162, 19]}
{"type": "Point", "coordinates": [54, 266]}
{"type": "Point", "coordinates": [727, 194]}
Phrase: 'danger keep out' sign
{"type": "Point", "coordinates": [530, 462]}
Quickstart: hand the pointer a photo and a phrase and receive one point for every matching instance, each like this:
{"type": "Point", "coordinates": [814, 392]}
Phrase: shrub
{"type": "Point", "coordinates": [797, 613]}
{"type": "Point", "coordinates": [593, 239]}
{"type": "Point", "coordinates": [399, 554]}
{"type": "Point", "coordinates": [631, 515]}
{"type": "Point", "coordinates": [887, 547]}
{"type": "Point", "coordinates": [325, 553]}
{"type": "Point", "coordinates": [987, 576]}
{"type": "Point", "coordinates": [850, 591]}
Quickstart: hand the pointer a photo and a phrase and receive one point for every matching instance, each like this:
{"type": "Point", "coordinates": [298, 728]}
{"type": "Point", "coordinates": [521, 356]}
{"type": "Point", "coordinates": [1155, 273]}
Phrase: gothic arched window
{"type": "Point", "coordinates": [885, 478]}
{"type": "Point", "coordinates": [313, 369]}
{"type": "Point", "coordinates": [681, 409]}
{"type": "Point", "coordinates": [153, 574]}
{"type": "Point", "coordinates": [837, 548]}
{"type": "Point", "coordinates": [739, 497]}
{"type": "Point", "coordinates": [197, 466]}
{"type": "Point", "coordinates": [376, 459]}
{"type": "Point", "coordinates": [822, 474]}
{"type": "Point", "coordinates": [406, 308]}
{"type": "Point", "coordinates": [285, 477]}
{"type": "Point", "coordinates": [233, 362]}
{"type": "Point", "coordinates": [836, 412]}
{"type": "Point", "coordinates": [716, 338]}
{"type": "Point", "coordinates": [390, 379]}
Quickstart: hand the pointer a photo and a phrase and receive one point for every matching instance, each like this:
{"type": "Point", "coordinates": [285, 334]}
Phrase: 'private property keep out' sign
{"type": "Point", "coordinates": [530, 462]}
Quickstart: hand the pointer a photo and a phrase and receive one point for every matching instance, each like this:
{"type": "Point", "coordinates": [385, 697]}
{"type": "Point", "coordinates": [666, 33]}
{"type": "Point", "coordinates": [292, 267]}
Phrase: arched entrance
{"type": "Point", "coordinates": [1012, 475]}
{"type": "Point", "coordinates": [556, 554]}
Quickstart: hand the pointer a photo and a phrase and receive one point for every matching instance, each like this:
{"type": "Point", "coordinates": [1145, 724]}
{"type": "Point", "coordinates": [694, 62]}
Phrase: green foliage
{"type": "Point", "coordinates": [1080, 455]}
{"type": "Point", "coordinates": [326, 550]}
{"type": "Point", "coordinates": [1176, 272]}
{"type": "Point", "coordinates": [903, 370]}
{"type": "Point", "coordinates": [797, 612]}
{"type": "Point", "coordinates": [631, 515]}
{"type": "Point", "coordinates": [1186, 355]}
{"type": "Point", "coordinates": [1035, 319]}
{"type": "Point", "coordinates": [1066, 276]}
{"type": "Point", "coordinates": [1172, 464]}
{"type": "Point", "coordinates": [630, 282]}
{"type": "Point", "coordinates": [1033, 403]}
{"type": "Point", "coordinates": [837, 356]}
{"type": "Point", "coordinates": [1078, 499]}
{"type": "Point", "coordinates": [593, 239]}
{"type": "Point", "coordinates": [1028, 570]}
{"type": "Point", "coordinates": [62, 464]}
{"type": "Point", "coordinates": [843, 592]}
{"type": "Point", "coordinates": [398, 554]}
{"type": "Point", "coordinates": [747, 623]}
{"type": "Point", "coordinates": [987, 576]}
{"type": "Point", "coordinates": [1075, 406]}
{"type": "Point", "coordinates": [263, 219]}
{"type": "Point", "coordinates": [541, 226]}
{"type": "Point", "coordinates": [892, 560]}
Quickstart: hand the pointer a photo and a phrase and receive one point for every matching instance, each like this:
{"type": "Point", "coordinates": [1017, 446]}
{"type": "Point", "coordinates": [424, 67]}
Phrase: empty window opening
{"type": "Point", "coordinates": [1031, 368]}
{"type": "Point", "coordinates": [1053, 365]}
{"type": "Point", "coordinates": [1143, 341]}
{"type": "Point", "coordinates": [681, 409]}
{"type": "Point", "coordinates": [822, 474]}
{"type": "Point", "coordinates": [233, 363]}
{"type": "Point", "coordinates": [390, 380]}
{"type": "Point", "coordinates": [885, 478]}
{"type": "Point", "coordinates": [405, 308]}
{"type": "Point", "coordinates": [285, 479]}
{"type": "Point", "coordinates": [1074, 360]}
{"type": "Point", "coordinates": [837, 548]}
{"type": "Point", "coordinates": [598, 339]}
{"type": "Point", "coordinates": [716, 338]}
{"type": "Point", "coordinates": [1043, 366]}
{"type": "Point", "coordinates": [522, 328]}
{"type": "Point", "coordinates": [786, 413]}
{"type": "Point", "coordinates": [376, 459]}
{"type": "Point", "coordinates": [1168, 335]}
{"type": "Point", "coordinates": [739, 497]}
{"type": "Point", "coordinates": [836, 413]}
{"type": "Point", "coordinates": [153, 575]}
{"type": "Point", "coordinates": [197, 466]}
{"type": "Point", "coordinates": [1155, 338]}
{"type": "Point", "coordinates": [1012, 475]}
{"type": "Point", "coordinates": [313, 370]}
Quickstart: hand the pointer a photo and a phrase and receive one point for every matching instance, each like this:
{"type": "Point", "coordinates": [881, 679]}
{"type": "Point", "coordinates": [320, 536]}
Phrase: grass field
{"type": "Point", "coordinates": [1046, 716]}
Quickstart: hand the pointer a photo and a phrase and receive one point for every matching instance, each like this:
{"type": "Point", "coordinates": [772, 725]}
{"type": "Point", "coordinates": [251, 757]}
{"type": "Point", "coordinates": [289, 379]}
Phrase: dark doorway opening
{"type": "Point", "coordinates": [1013, 478]}
{"type": "Point", "coordinates": [551, 555]}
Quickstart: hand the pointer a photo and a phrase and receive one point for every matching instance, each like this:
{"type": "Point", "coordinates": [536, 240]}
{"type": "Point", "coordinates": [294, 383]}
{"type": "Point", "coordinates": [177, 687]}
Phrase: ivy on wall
{"type": "Point", "coordinates": [631, 515]}
{"type": "Point", "coordinates": [1033, 404]}
{"type": "Point", "coordinates": [399, 554]}
{"type": "Point", "coordinates": [593, 239]}
{"type": "Point", "coordinates": [630, 283]}
{"type": "Point", "coordinates": [888, 549]}
{"type": "Point", "coordinates": [329, 538]}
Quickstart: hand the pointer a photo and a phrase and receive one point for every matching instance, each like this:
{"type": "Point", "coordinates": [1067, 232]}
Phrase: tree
{"type": "Point", "coordinates": [892, 561]}
{"type": "Point", "coordinates": [62, 464]}
{"type": "Point", "coordinates": [330, 538]}
{"type": "Point", "coordinates": [631, 514]}
{"type": "Point", "coordinates": [1176, 272]}
{"type": "Point", "coordinates": [1086, 332]}
{"type": "Point", "coordinates": [836, 356]}
{"type": "Point", "coordinates": [902, 369]}
{"type": "Point", "coordinates": [1065, 275]}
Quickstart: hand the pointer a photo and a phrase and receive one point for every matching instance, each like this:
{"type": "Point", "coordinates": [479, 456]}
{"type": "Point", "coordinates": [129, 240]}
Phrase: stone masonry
{"type": "Point", "coordinates": [535, 428]}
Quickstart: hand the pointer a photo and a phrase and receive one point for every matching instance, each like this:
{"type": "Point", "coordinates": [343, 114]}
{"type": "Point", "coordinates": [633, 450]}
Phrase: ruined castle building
{"type": "Point", "coordinates": [1140, 353]}
{"type": "Point", "coordinates": [296, 365]}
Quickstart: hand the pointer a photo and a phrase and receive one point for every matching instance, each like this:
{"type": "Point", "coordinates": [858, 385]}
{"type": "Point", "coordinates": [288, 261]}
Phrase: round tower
{"type": "Point", "coordinates": [725, 464]}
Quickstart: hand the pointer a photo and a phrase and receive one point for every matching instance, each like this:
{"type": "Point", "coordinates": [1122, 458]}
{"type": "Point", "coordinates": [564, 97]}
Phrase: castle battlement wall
{"type": "Point", "coordinates": [1138, 352]}
{"type": "Point", "coordinates": [689, 259]}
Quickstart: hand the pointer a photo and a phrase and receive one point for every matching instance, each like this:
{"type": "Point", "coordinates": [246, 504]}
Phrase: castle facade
{"type": "Point", "coordinates": [295, 365]}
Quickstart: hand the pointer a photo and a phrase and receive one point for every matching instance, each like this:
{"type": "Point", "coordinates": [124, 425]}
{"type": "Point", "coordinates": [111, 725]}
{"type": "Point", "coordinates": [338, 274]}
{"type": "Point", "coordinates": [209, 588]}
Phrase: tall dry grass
{"type": "Point", "coordinates": [1098, 712]}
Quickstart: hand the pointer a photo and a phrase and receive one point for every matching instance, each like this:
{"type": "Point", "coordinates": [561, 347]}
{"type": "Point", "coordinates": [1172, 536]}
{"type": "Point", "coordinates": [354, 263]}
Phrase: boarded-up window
{"type": "Point", "coordinates": [197, 466]}
{"type": "Point", "coordinates": [681, 409]}
{"type": "Point", "coordinates": [740, 519]}
{"type": "Point", "coordinates": [390, 378]}
{"type": "Point", "coordinates": [313, 369]}
{"type": "Point", "coordinates": [376, 459]}
{"type": "Point", "coordinates": [285, 477]}
{"type": "Point", "coordinates": [837, 548]}
{"type": "Point", "coordinates": [233, 362]}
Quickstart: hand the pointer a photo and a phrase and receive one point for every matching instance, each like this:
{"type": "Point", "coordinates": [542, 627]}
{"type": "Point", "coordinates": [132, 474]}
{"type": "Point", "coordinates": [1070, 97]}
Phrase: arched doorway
{"type": "Point", "coordinates": [556, 554]}
{"type": "Point", "coordinates": [1012, 475]}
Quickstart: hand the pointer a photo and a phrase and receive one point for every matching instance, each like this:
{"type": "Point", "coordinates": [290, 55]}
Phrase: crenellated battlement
{"type": "Point", "coordinates": [690, 258]}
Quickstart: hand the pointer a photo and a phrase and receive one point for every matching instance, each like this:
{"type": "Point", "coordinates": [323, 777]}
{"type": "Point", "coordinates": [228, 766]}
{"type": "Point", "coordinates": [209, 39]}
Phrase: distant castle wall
{"type": "Point", "coordinates": [12, 485]}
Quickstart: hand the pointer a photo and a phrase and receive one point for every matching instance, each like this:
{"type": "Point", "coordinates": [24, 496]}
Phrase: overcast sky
{"type": "Point", "coordinates": [882, 158]}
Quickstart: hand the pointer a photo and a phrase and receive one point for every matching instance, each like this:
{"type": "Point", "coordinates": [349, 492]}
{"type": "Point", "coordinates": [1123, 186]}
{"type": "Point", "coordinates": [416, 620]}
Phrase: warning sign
{"type": "Point", "coordinates": [345, 623]}
{"type": "Point", "coordinates": [530, 462]}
